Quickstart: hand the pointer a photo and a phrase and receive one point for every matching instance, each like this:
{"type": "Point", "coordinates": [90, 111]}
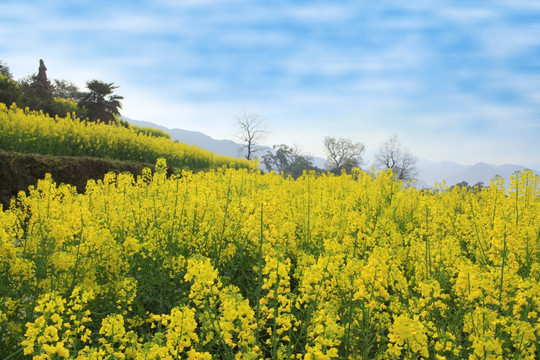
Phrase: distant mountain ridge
{"type": "Point", "coordinates": [429, 173]}
{"type": "Point", "coordinates": [454, 173]}
{"type": "Point", "coordinates": [219, 147]}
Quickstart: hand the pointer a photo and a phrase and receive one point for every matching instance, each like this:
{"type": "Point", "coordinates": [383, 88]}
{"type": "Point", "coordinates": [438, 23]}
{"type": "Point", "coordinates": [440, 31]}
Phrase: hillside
{"type": "Point", "coordinates": [34, 132]}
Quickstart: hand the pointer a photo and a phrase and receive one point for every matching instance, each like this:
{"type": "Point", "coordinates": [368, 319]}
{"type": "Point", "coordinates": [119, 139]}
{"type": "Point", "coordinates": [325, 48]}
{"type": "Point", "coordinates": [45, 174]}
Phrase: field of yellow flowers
{"type": "Point", "coordinates": [234, 264]}
{"type": "Point", "coordinates": [27, 131]}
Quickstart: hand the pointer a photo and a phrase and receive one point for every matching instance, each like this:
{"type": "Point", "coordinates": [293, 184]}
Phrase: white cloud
{"type": "Point", "coordinates": [269, 38]}
{"type": "Point", "coordinates": [15, 11]}
{"type": "Point", "coordinates": [320, 60]}
{"type": "Point", "coordinates": [522, 4]}
{"type": "Point", "coordinates": [191, 3]}
{"type": "Point", "coordinates": [316, 13]}
{"type": "Point", "coordinates": [469, 15]}
{"type": "Point", "coordinates": [534, 97]}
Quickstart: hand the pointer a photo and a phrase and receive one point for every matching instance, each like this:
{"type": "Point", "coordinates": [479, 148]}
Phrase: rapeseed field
{"type": "Point", "coordinates": [235, 264]}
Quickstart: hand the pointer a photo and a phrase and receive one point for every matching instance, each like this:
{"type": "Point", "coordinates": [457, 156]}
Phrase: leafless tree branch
{"type": "Point", "coordinates": [392, 155]}
{"type": "Point", "coordinates": [251, 131]}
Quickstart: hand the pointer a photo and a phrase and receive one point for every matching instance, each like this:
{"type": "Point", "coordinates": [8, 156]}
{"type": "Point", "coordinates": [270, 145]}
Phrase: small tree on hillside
{"type": "Point", "coordinates": [26, 81]}
{"type": "Point", "coordinates": [4, 70]}
{"type": "Point", "coordinates": [9, 90]}
{"type": "Point", "coordinates": [287, 160]}
{"type": "Point", "coordinates": [343, 154]}
{"type": "Point", "coordinates": [100, 101]}
{"type": "Point", "coordinates": [392, 155]}
{"type": "Point", "coordinates": [65, 89]}
{"type": "Point", "coordinates": [251, 130]}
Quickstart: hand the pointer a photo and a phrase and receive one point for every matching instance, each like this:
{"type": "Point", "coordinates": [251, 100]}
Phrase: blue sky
{"type": "Point", "coordinates": [455, 80]}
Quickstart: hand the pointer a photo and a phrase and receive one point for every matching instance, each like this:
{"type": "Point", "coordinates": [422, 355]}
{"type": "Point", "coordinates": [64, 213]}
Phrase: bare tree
{"type": "Point", "coordinates": [392, 155]}
{"type": "Point", "coordinates": [343, 154]}
{"type": "Point", "coordinates": [251, 130]}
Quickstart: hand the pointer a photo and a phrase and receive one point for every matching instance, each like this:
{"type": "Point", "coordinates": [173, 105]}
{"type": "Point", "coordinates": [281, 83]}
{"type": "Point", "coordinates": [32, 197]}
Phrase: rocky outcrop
{"type": "Point", "coordinates": [41, 86]}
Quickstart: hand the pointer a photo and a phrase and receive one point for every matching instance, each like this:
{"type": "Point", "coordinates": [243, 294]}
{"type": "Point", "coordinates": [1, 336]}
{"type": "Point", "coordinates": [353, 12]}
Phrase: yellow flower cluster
{"type": "Point", "coordinates": [237, 324]}
{"type": "Point", "coordinates": [234, 264]}
{"type": "Point", "coordinates": [59, 328]}
{"type": "Point", "coordinates": [275, 318]}
{"type": "Point", "coordinates": [324, 334]}
{"type": "Point", "coordinates": [408, 337]}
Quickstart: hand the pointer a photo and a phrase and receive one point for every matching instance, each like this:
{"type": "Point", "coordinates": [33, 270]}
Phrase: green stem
{"type": "Point", "coordinates": [502, 271]}
{"type": "Point", "coordinates": [259, 275]}
{"type": "Point", "coordinates": [13, 355]}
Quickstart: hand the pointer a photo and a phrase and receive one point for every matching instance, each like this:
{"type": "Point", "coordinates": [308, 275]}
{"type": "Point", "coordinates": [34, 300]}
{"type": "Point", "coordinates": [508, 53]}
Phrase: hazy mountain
{"type": "Point", "coordinates": [220, 147]}
{"type": "Point", "coordinates": [429, 172]}
{"type": "Point", "coordinates": [482, 172]}
{"type": "Point", "coordinates": [436, 172]}
{"type": "Point", "coordinates": [455, 173]}
{"type": "Point", "coordinates": [421, 184]}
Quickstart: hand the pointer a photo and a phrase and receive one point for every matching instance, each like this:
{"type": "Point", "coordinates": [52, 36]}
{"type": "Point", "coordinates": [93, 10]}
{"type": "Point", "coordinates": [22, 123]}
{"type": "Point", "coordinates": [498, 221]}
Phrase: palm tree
{"type": "Point", "coordinates": [100, 102]}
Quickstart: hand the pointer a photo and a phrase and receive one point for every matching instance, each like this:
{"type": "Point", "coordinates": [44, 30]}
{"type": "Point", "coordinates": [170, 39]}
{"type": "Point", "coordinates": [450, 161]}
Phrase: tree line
{"type": "Point", "coordinates": [341, 154]}
{"type": "Point", "coordinates": [60, 97]}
